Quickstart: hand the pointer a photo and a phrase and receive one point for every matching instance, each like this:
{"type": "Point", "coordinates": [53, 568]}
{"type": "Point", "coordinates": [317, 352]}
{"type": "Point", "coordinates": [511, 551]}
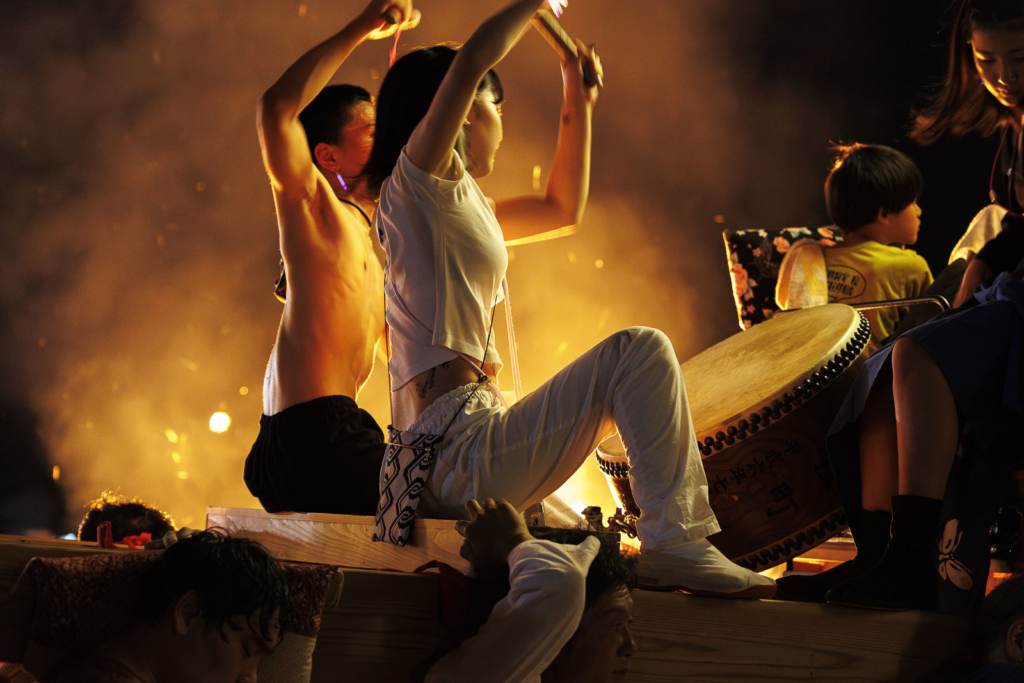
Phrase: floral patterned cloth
{"type": "Point", "coordinates": [754, 260]}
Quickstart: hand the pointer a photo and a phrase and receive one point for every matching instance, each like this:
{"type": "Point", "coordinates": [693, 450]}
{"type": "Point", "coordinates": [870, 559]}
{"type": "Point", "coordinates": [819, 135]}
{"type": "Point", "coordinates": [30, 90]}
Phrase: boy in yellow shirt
{"type": "Point", "coordinates": [871, 194]}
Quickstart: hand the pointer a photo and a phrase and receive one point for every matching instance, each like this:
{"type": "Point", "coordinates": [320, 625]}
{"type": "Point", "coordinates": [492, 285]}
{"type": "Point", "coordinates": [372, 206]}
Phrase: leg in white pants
{"type": "Point", "coordinates": [630, 380]}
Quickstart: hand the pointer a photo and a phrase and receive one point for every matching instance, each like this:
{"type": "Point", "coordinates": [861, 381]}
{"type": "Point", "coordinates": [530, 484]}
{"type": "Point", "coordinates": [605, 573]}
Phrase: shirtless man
{"type": "Point", "coordinates": [317, 450]}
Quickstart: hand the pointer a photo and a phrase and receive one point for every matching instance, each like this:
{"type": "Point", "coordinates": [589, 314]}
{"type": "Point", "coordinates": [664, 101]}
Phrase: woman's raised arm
{"type": "Point", "coordinates": [432, 143]}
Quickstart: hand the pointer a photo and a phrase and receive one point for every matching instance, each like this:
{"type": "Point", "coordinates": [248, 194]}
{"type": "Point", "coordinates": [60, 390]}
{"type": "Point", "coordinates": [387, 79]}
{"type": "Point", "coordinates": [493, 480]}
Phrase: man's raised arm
{"type": "Point", "coordinates": [283, 141]}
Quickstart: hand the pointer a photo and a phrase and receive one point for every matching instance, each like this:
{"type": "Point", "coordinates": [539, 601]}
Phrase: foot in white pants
{"type": "Point", "coordinates": [699, 567]}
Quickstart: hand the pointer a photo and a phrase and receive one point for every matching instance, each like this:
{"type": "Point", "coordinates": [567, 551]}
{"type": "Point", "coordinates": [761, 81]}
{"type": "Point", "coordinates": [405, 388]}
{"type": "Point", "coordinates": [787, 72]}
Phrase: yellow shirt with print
{"type": "Point", "coordinates": [871, 271]}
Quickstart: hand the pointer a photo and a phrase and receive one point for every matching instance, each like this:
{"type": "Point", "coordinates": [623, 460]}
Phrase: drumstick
{"type": "Point", "coordinates": [545, 22]}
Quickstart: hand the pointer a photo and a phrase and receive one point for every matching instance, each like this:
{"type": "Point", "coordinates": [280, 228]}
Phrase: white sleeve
{"type": "Point", "coordinates": [527, 628]}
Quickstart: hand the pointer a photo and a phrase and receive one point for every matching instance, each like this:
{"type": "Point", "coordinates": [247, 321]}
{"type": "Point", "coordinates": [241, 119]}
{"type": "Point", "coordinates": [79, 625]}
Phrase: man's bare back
{"type": "Point", "coordinates": [334, 313]}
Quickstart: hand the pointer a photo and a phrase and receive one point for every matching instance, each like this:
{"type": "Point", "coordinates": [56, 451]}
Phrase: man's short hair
{"type": "Point", "coordinates": [127, 517]}
{"type": "Point", "coordinates": [866, 179]}
{"type": "Point", "coordinates": [329, 112]}
{"type": "Point", "coordinates": [998, 610]}
{"type": "Point", "coordinates": [609, 570]}
{"type": "Point", "coordinates": [232, 577]}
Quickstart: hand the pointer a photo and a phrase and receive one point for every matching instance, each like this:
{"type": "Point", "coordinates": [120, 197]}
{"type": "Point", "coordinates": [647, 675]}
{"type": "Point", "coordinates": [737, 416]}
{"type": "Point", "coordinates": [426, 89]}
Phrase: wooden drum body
{"type": "Point", "coordinates": [762, 403]}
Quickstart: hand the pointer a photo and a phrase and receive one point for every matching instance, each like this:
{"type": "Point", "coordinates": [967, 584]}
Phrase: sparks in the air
{"type": "Point", "coordinates": [219, 422]}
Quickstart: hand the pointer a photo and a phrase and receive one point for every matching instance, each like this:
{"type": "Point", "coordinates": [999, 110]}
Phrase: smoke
{"type": "Point", "coordinates": [140, 236]}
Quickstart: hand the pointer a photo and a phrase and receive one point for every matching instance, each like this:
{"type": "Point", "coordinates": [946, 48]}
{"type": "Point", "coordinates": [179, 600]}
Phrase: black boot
{"type": "Point", "coordinates": [872, 539]}
{"type": "Point", "coordinates": [905, 577]}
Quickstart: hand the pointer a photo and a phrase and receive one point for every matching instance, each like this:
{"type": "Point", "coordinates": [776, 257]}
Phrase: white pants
{"type": "Point", "coordinates": [631, 381]}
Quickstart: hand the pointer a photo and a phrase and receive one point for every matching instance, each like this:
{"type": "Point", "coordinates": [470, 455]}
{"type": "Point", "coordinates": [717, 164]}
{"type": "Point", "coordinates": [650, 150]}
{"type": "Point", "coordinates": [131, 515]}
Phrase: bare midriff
{"type": "Point", "coordinates": [409, 402]}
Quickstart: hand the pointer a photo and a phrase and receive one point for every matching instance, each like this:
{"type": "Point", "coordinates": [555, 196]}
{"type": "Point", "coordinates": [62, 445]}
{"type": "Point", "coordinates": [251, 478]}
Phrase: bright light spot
{"type": "Point", "coordinates": [557, 6]}
{"type": "Point", "coordinates": [176, 457]}
{"type": "Point", "coordinates": [572, 257]}
{"type": "Point", "coordinates": [243, 391]}
{"type": "Point", "coordinates": [56, 472]}
{"type": "Point", "coordinates": [171, 435]}
{"type": "Point", "coordinates": [219, 422]}
{"type": "Point", "coordinates": [561, 348]}
{"type": "Point", "coordinates": [599, 263]}
{"type": "Point", "coordinates": [536, 178]}
{"type": "Point", "coordinates": [182, 474]}
{"type": "Point", "coordinates": [578, 507]}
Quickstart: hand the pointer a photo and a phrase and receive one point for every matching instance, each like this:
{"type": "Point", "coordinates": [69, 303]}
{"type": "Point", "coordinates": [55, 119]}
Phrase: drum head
{"type": "Point", "coordinates": [758, 366]}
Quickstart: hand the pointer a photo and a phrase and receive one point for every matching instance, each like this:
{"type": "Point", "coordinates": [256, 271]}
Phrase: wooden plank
{"type": "Point", "coordinates": [742, 640]}
{"type": "Point", "coordinates": [342, 540]}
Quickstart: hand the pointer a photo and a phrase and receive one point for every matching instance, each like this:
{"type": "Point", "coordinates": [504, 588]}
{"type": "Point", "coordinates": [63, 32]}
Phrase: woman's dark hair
{"type": "Point", "coordinates": [610, 569]}
{"type": "Point", "coordinates": [998, 610]}
{"type": "Point", "coordinates": [329, 112]}
{"type": "Point", "coordinates": [963, 105]}
{"type": "Point", "coordinates": [866, 179]}
{"type": "Point", "coordinates": [127, 517]}
{"type": "Point", "coordinates": [232, 577]}
{"type": "Point", "coordinates": [403, 101]}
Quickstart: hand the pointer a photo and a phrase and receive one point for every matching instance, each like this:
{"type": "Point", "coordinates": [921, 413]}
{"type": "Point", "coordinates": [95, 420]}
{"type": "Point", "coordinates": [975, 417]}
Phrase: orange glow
{"type": "Point", "coordinates": [171, 435]}
{"type": "Point", "coordinates": [56, 472]}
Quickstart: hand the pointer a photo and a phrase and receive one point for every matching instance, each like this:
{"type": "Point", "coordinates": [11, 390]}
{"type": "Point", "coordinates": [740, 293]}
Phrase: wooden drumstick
{"type": "Point", "coordinates": [545, 22]}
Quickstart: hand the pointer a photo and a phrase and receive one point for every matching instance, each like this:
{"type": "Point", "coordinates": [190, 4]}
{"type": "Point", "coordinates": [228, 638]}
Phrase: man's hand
{"type": "Point", "coordinates": [400, 15]}
{"type": "Point", "coordinates": [494, 529]}
{"type": "Point", "coordinates": [576, 89]}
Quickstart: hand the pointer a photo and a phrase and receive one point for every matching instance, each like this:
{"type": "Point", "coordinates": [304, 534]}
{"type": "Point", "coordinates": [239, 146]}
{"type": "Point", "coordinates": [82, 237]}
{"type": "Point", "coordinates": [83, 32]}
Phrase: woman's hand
{"type": "Point", "coordinates": [576, 90]}
{"type": "Point", "coordinates": [401, 11]}
{"type": "Point", "coordinates": [494, 529]}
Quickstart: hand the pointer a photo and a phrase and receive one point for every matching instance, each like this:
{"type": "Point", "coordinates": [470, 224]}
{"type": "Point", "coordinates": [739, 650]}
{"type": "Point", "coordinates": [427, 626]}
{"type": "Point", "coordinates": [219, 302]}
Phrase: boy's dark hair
{"type": "Point", "coordinates": [998, 610]}
{"type": "Point", "coordinates": [609, 570]}
{"type": "Point", "coordinates": [127, 517]}
{"type": "Point", "coordinates": [403, 101]}
{"type": "Point", "coordinates": [329, 112]}
{"type": "Point", "coordinates": [233, 577]}
{"type": "Point", "coordinates": [869, 178]}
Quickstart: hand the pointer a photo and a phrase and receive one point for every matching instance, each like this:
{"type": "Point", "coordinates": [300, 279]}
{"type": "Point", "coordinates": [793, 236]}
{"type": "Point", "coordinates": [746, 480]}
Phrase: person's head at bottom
{"type": "Point", "coordinates": [600, 649]}
{"type": "Point", "coordinates": [209, 609]}
{"type": "Point", "coordinates": [997, 631]}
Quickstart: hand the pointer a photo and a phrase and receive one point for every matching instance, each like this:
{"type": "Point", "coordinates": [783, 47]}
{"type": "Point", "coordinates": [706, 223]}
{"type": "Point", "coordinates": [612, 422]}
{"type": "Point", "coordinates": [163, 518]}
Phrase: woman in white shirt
{"type": "Point", "coordinates": [438, 128]}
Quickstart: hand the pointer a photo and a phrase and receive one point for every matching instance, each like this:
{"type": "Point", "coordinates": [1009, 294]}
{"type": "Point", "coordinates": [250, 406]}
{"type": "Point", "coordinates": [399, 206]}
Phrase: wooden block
{"type": "Point", "coordinates": [345, 540]}
{"type": "Point", "coordinates": [709, 639]}
{"type": "Point", "coordinates": [342, 540]}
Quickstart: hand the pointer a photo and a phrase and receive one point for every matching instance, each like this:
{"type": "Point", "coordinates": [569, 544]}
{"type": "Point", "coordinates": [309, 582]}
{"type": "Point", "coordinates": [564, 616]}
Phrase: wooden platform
{"type": "Point", "coordinates": [681, 637]}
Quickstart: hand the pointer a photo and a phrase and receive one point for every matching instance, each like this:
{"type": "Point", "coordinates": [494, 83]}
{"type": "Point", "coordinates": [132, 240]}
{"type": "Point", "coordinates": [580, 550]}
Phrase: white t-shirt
{"type": "Point", "coordinates": [446, 259]}
{"type": "Point", "coordinates": [528, 627]}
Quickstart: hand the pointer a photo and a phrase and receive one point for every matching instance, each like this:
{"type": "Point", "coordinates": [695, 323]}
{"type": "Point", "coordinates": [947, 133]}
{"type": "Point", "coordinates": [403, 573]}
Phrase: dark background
{"type": "Point", "coordinates": [138, 230]}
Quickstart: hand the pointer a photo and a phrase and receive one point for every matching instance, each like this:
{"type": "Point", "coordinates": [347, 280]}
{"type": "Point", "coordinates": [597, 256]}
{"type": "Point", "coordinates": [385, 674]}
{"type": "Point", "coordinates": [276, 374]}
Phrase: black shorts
{"type": "Point", "coordinates": [323, 455]}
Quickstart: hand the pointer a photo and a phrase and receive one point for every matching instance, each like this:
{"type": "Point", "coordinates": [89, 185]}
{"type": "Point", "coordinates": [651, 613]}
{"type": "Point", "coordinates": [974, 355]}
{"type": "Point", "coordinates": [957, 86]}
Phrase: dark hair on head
{"type": "Point", "coordinates": [232, 577]}
{"type": "Point", "coordinates": [869, 178]}
{"type": "Point", "coordinates": [329, 112]}
{"type": "Point", "coordinates": [963, 105]}
{"type": "Point", "coordinates": [609, 570]}
{"type": "Point", "coordinates": [403, 101]}
{"type": "Point", "coordinates": [998, 610]}
{"type": "Point", "coordinates": [127, 517]}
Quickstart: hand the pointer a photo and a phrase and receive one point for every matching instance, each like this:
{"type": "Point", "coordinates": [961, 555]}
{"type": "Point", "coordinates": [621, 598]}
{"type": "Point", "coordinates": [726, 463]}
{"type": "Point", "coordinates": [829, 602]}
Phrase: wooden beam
{"type": "Point", "coordinates": [342, 540]}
